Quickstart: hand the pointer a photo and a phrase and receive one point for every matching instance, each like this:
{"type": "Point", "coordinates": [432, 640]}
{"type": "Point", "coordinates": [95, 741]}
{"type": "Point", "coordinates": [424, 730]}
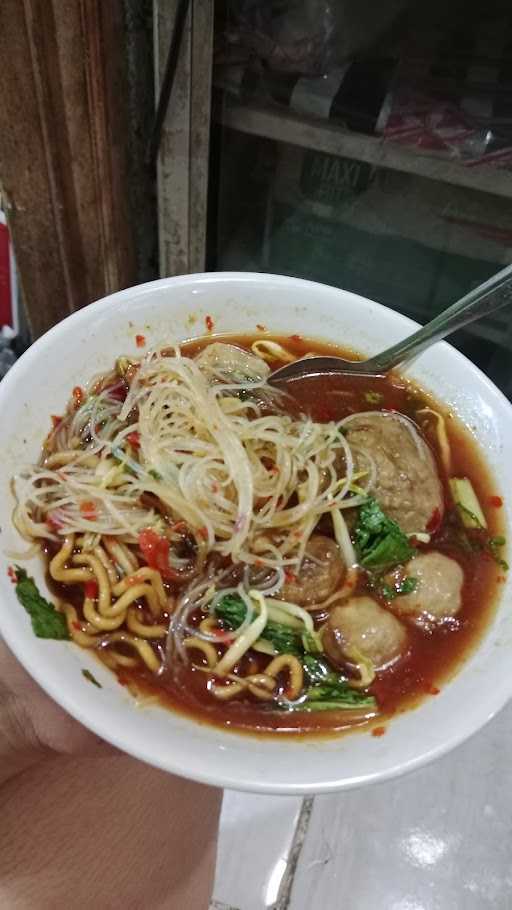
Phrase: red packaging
{"type": "Point", "coordinates": [8, 304]}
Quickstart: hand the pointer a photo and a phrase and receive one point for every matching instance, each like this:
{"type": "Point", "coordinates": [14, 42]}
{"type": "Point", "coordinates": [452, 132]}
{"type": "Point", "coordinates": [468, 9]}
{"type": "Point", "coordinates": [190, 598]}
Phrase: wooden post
{"type": "Point", "coordinates": [184, 150]}
{"type": "Point", "coordinates": [62, 152]}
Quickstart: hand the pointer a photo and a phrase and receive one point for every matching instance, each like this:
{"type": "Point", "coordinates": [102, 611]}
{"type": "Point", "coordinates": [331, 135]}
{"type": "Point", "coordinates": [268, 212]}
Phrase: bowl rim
{"type": "Point", "coordinates": [466, 726]}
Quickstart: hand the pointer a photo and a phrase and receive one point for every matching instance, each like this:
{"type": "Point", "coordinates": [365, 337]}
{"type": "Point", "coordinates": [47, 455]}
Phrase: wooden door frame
{"type": "Point", "coordinates": [182, 171]}
{"type": "Point", "coordinates": [63, 165]}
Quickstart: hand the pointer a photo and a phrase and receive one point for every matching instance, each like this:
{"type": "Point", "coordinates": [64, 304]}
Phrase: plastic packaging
{"type": "Point", "coordinates": [302, 37]}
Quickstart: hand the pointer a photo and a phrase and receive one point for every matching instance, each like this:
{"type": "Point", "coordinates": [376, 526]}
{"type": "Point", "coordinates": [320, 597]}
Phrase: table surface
{"type": "Point", "coordinates": [437, 839]}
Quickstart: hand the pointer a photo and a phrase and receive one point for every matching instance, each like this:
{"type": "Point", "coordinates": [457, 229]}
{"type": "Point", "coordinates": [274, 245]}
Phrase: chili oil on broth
{"type": "Point", "coordinates": [433, 657]}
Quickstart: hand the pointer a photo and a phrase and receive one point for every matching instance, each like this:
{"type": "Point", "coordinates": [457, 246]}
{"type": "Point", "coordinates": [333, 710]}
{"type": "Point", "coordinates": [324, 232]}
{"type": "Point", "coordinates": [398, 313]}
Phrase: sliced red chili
{"type": "Point", "coordinates": [496, 501]}
{"type": "Point", "coordinates": [53, 523]}
{"type": "Point", "coordinates": [378, 731]}
{"type": "Point", "coordinates": [91, 589]}
{"type": "Point", "coordinates": [225, 637]}
{"type": "Point", "coordinates": [88, 510]}
{"type": "Point", "coordinates": [118, 392]}
{"type": "Point", "coordinates": [78, 396]}
{"type": "Point", "coordinates": [209, 323]}
{"type": "Point", "coordinates": [134, 439]}
{"type": "Point", "coordinates": [155, 550]}
{"type": "Point", "coordinates": [140, 341]}
{"type": "Point", "coordinates": [434, 521]}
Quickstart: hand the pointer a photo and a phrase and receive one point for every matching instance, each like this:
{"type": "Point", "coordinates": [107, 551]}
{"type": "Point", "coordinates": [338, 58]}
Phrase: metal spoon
{"type": "Point", "coordinates": [483, 300]}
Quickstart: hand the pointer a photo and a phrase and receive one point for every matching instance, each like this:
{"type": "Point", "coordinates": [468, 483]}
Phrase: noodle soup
{"type": "Point", "coordinates": [274, 563]}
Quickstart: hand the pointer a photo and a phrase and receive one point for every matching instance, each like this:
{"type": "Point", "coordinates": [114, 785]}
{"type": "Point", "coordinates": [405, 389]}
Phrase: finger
{"type": "Point", "coordinates": [36, 719]}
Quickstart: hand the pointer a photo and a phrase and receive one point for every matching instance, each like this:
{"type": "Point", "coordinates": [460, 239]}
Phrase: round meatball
{"type": "Point", "coordinates": [437, 595]}
{"type": "Point", "coordinates": [407, 487]}
{"type": "Point", "coordinates": [321, 573]}
{"type": "Point", "coordinates": [368, 628]}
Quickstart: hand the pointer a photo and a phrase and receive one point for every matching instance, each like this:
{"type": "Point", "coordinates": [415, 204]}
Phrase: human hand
{"type": "Point", "coordinates": [32, 726]}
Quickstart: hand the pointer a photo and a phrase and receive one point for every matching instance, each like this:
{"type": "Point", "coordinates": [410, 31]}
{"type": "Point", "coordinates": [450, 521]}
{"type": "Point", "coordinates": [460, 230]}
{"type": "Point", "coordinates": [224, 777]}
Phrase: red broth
{"type": "Point", "coordinates": [433, 656]}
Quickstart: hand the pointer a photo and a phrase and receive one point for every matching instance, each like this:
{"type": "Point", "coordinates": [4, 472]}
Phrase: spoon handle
{"type": "Point", "coordinates": [483, 300]}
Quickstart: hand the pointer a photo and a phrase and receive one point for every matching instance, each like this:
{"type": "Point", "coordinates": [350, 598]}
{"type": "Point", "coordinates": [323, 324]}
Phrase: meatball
{"type": "Point", "coordinates": [437, 595]}
{"type": "Point", "coordinates": [407, 486]}
{"type": "Point", "coordinates": [365, 627]}
{"type": "Point", "coordinates": [321, 573]}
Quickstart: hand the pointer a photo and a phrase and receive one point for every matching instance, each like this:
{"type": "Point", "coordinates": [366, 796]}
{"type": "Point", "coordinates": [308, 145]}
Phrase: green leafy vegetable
{"type": "Point", "coordinates": [404, 586]}
{"type": "Point", "coordinates": [46, 622]}
{"type": "Point", "coordinates": [318, 670]}
{"type": "Point", "coordinates": [92, 679]}
{"type": "Point", "coordinates": [380, 543]}
{"type": "Point", "coordinates": [312, 642]}
{"type": "Point", "coordinates": [472, 539]}
{"type": "Point", "coordinates": [284, 639]}
{"type": "Point", "coordinates": [330, 691]}
{"type": "Point", "coordinates": [483, 541]}
{"type": "Point", "coordinates": [363, 702]}
{"type": "Point", "coordinates": [155, 474]}
{"type": "Point", "coordinates": [341, 694]}
{"type": "Point", "coordinates": [231, 611]}
{"type": "Point", "coordinates": [493, 547]}
{"type": "Point", "coordinates": [373, 397]}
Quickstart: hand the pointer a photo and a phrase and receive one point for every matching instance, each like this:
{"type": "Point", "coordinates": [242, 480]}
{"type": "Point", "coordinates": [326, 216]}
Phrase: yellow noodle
{"type": "Point", "coordinates": [121, 555]}
{"type": "Point", "coordinates": [80, 636]}
{"type": "Point", "coordinates": [57, 564]}
{"type": "Point", "coordinates": [88, 541]}
{"type": "Point", "coordinates": [209, 625]}
{"type": "Point", "coordinates": [143, 647]}
{"type": "Point", "coordinates": [109, 658]}
{"type": "Point", "coordinates": [104, 590]}
{"type": "Point", "coordinates": [133, 593]}
{"type": "Point", "coordinates": [121, 660]}
{"type": "Point", "coordinates": [206, 648]}
{"type": "Point", "coordinates": [442, 437]}
{"type": "Point", "coordinates": [271, 350]}
{"type": "Point", "coordinates": [107, 563]}
{"type": "Point", "coordinates": [103, 623]}
{"type": "Point", "coordinates": [259, 684]}
{"type": "Point", "coordinates": [154, 578]}
{"type": "Point", "coordinates": [141, 629]}
{"type": "Point", "coordinates": [293, 667]}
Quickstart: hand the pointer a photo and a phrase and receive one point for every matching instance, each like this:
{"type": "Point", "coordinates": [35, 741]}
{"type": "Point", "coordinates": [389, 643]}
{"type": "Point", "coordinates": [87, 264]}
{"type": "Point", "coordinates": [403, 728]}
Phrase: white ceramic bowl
{"type": "Point", "coordinates": [88, 341]}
